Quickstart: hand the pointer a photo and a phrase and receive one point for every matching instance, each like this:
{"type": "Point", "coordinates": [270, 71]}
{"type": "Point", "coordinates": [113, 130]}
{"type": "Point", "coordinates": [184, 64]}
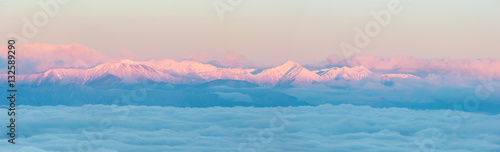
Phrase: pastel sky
{"type": "Point", "coordinates": [266, 32]}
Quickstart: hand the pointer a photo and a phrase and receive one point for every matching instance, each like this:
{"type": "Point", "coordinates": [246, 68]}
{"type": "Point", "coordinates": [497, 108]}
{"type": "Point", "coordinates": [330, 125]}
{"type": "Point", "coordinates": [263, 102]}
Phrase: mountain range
{"type": "Point", "coordinates": [192, 72]}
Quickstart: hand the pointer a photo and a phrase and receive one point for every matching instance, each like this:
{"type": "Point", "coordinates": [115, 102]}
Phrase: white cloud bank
{"type": "Point", "coordinates": [321, 128]}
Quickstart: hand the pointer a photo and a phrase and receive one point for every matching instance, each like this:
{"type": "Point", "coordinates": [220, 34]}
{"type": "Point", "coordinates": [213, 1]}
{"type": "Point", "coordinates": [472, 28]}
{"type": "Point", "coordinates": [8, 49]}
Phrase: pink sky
{"type": "Point", "coordinates": [265, 32]}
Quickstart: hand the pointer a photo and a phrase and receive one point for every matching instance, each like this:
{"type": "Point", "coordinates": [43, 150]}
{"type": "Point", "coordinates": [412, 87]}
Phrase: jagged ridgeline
{"type": "Point", "coordinates": [180, 84]}
{"type": "Point", "coordinates": [191, 72]}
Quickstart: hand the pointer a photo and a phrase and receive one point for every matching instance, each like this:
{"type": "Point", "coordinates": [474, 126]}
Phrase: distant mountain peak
{"type": "Point", "coordinates": [290, 64]}
{"type": "Point", "coordinates": [128, 61]}
{"type": "Point", "coordinates": [360, 67]}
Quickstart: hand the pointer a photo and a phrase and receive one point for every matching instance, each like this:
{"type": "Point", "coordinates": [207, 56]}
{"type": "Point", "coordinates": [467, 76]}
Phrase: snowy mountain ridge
{"type": "Point", "coordinates": [187, 72]}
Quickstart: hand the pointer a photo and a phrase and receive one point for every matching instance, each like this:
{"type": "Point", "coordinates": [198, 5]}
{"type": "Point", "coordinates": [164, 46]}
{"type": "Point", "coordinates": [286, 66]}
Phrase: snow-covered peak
{"type": "Point", "coordinates": [282, 69]}
{"type": "Point", "coordinates": [128, 61]}
{"type": "Point", "coordinates": [346, 73]}
{"type": "Point", "coordinates": [290, 63]}
{"type": "Point", "coordinates": [360, 69]}
{"type": "Point", "coordinates": [286, 74]}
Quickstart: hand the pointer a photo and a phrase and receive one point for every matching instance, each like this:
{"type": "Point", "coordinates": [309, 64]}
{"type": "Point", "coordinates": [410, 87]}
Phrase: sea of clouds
{"type": "Point", "coordinates": [306, 128]}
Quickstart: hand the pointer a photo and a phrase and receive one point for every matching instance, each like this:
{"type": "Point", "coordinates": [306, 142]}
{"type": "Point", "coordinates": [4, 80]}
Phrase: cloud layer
{"type": "Point", "coordinates": [38, 57]}
{"type": "Point", "coordinates": [468, 67]}
{"type": "Point", "coordinates": [229, 60]}
{"type": "Point", "coordinates": [322, 128]}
